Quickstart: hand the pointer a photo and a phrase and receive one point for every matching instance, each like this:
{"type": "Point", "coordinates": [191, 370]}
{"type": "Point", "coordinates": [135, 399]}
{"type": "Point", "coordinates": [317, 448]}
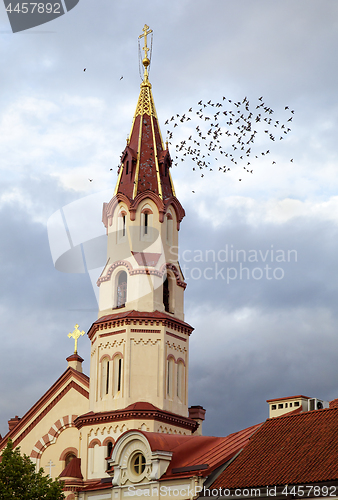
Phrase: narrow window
{"type": "Point", "coordinates": [119, 375]}
{"type": "Point", "coordinates": [166, 294]}
{"type": "Point", "coordinates": [123, 225]}
{"type": "Point", "coordinates": [180, 381]}
{"type": "Point", "coordinates": [121, 291]}
{"type": "Point", "coordinates": [170, 377]}
{"type": "Point", "coordinates": [107, 378]}
{"type": "Point", "coordinates": [127, 167]}
{"type": "Point", "coordinates": [146, 223]}
{"type": "Point", "coordinates": [104, 377]}
{"type": "Point", "coordinates": [109, 449]}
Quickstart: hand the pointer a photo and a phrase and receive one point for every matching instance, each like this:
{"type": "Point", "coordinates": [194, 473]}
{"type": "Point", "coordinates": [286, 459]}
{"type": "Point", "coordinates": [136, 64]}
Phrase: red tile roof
{"type": "Point", "coordinates": [334, 403]}
{"type": "Point", "coordinates": [290, 449]}
{"type": "Point", "coordinates": [192, 452]}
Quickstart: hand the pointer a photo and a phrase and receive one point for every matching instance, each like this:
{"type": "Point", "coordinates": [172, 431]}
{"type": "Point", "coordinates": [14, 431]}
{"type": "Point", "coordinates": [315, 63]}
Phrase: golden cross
{"type": "Point", "coordinates": [146, 31]}
{"type": "Point", "coordinates": [76, 334]}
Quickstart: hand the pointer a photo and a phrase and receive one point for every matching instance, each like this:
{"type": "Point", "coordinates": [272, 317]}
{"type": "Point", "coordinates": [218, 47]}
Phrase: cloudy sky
{"type": "Point", "coordinates": [267, 331]}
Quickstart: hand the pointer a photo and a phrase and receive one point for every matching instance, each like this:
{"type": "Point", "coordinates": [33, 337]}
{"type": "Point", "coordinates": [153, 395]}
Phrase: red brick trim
{"type": "Point", "coordinates": [94, 442]}
{"type": "Point", "coordinates": [109, 208]}
{"type": "Point", "coordinates": [171, 356]}
{"type": "Point", "coordinates": [174, 270]}
{"type": "Point", "coordinates": [176, 336]}
{"type": "Point", "coordinates": [180, 359]}
{"type": "Point", "coordinates": [104, 356]}
{"type": "Point", "coordinates": [47, 439]}
{"type": "Point", "coordinates": [49, 395]}
{"type": "Point", "coordinates": [112, 333]}
{"type": "Point", "coordinates": [146, 210]}
{"type": "Point", "coordinates": [106, 441]}
{"type": "Point", "coordinates": [111, 269]}
{"type": "Point", "coordinates": [139, 330]}
{"type": "Point", "coordinates": [65, 452]}
{"type": "Point", "coordinates": [118, 353]}
{"type": "Point", "coordinates": [136, 318]}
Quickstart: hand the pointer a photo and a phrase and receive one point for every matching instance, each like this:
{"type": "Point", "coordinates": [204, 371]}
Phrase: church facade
{"type": "Point", "coordinates": [127, 430]}
{"type": "Point", "coordinates": [124, 425]}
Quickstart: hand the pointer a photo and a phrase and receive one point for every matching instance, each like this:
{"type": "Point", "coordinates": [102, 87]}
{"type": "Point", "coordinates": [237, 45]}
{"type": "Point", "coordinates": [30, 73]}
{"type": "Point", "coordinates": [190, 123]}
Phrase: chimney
{"type": "Point", "coordinates": [75, 362]}
{"type": "Point", "coordinates": [197, 413]}
{"type": "Point", "coordinates": [13, 422]}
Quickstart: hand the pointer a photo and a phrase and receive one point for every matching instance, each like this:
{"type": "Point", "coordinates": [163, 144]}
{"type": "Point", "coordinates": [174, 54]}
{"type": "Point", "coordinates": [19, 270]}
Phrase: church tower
{"type": "Point", "coordinates": [140, 342]}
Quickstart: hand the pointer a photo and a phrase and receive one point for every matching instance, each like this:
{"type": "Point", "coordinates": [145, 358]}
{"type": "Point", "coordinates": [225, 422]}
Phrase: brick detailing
{"type": "Point", "coordinates": [134, 330]}
{"type": "Point", "coordinates": [112, 333]}
{"type": "Point", "coordinates": [111, 269]}
{"type": "Point", "coordinates": [141, 319]}
{"type": "Point", "coordinates": [56, 429]}
{"type": "Point", "coordinates": [174, 270]}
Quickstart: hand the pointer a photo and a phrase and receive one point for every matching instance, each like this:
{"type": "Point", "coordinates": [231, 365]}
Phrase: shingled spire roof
{"type": "Point", "coordinates": [145, 161]}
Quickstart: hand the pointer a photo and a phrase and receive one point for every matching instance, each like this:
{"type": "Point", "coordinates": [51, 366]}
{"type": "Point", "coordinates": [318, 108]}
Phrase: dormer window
{"type": "Point", "coordinates": [127, 167]}
{"type": "Point", "coordinates": [138, 464]}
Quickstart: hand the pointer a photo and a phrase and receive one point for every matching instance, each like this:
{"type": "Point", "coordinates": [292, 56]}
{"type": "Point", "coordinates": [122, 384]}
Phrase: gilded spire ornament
{"type": "Point", "coordinates": [145, 61]}
{"type": "Point", "coordinates": [75, 335]}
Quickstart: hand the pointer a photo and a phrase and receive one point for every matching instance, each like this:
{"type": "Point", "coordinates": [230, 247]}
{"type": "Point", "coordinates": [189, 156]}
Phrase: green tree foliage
{"type": "Point", "coordinates": [19, 481]}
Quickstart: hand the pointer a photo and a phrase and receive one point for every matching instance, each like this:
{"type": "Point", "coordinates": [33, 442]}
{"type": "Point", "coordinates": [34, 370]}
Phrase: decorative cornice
{"type": "Point", "coordinates": [155, 318]}
{"type": "Point", "coordinates": [136, 414]}
{"type": "Point", "coordinates": [109, 208]}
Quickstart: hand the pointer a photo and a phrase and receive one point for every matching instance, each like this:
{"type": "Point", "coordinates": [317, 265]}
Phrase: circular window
{"type": "Point", "coordinates": [138, 464]}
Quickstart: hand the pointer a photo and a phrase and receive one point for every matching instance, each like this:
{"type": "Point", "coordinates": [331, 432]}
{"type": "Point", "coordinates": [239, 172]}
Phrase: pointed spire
{"type": "Point", "coordinates": [145, 162]}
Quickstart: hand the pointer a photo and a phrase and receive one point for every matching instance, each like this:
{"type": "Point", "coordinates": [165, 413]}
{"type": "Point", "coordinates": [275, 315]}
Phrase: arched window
{"type": "Point", "coordinates": [169, 228]}
{"type": "Point", "coordinates": [117, 375]}
{"type": "Point", "coordinates": [121, 227]}
{"type": "Point", "coordinates": [180, 381]}
{"type": "Point", "coordinates": [104, 376]}
{"type": "Point", "coordinates": [166, 294]}
{"type": "Point", "coordinates": [170, 376]}
{"type": "Point", "coordinates": [121, 289]}
{"type": "Point", "coordinates": [146, 224]}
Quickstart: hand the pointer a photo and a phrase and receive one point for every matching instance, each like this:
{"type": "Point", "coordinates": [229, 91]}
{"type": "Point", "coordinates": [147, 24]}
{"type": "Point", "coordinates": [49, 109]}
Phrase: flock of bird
{"type": "Point", "coordinates": [226, 137]}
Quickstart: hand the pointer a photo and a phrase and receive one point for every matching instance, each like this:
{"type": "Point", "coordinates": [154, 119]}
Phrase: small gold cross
{"type": "Point", "coordinates": [146, 31]}
{"type": "Point", "coordinates": [76, 334]}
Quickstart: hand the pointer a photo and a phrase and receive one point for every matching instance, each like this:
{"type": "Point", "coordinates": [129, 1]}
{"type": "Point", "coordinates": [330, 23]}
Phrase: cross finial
{"type": "Point", "coordinates": [76, 334]}
{"type": "Point", "coordinates": [145, 62]}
